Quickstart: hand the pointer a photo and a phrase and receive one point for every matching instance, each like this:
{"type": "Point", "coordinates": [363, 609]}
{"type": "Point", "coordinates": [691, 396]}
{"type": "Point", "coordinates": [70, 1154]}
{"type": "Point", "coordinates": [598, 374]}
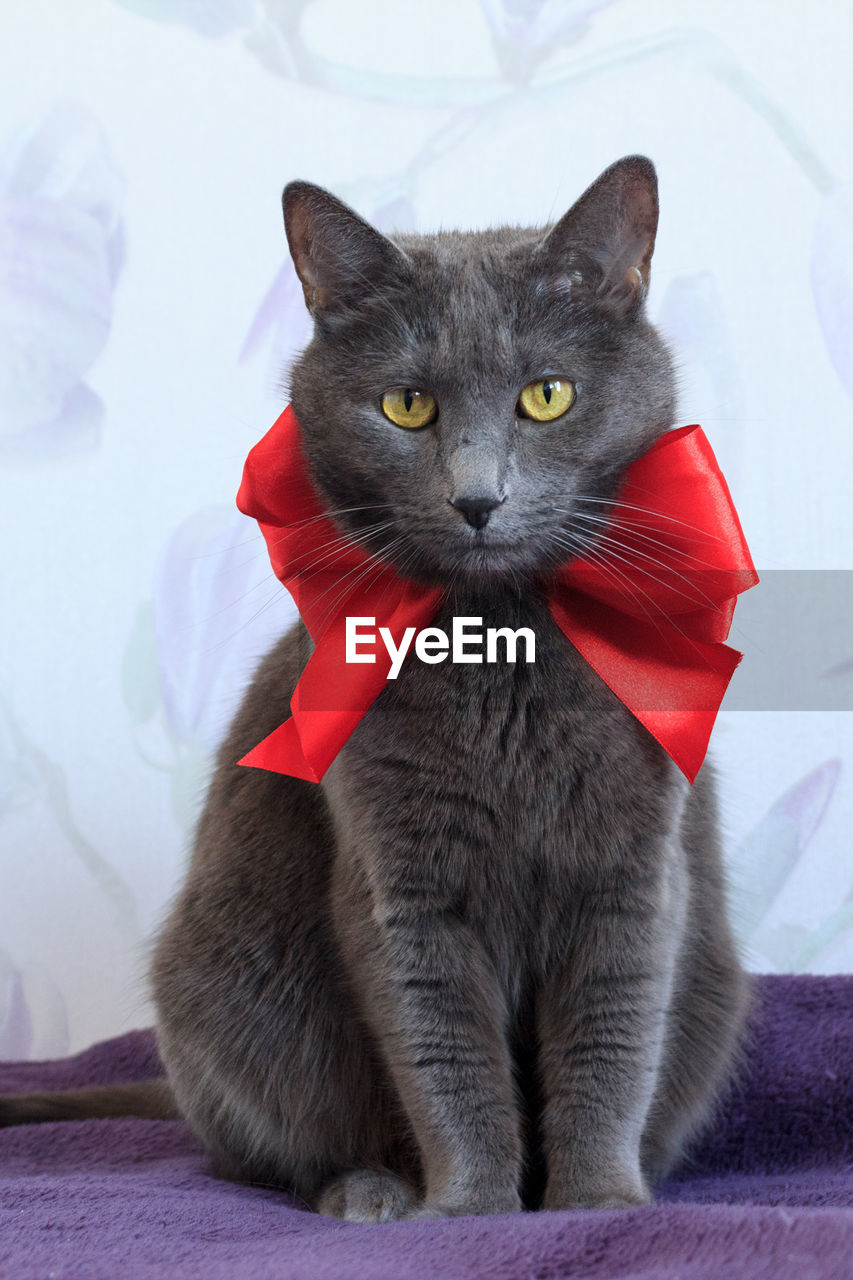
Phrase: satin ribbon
{"type": "Point", "coordinates": [648, 608]}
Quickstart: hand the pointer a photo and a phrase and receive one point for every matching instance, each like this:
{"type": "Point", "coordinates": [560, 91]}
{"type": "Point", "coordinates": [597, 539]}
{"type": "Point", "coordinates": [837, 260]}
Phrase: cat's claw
{"type": "Point", "coordinates": [366, 1195]}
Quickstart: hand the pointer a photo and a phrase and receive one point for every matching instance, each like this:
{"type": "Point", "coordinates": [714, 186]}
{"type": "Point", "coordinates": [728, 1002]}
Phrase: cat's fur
{"type": "Point", "coordinates": [487, 961]}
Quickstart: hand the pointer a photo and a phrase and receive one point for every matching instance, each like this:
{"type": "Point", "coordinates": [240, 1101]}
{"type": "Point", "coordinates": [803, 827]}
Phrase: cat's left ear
{"type": "Point", "coordinates": [338, 256]}
{"type": "Point", "coordinates": [604, 244]}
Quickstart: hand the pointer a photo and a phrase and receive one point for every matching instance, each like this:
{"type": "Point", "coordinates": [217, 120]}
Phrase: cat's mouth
{"type": "Point", "coordinates": [444, 557]}
{"type": "Point", "coordinates": [489, 557]}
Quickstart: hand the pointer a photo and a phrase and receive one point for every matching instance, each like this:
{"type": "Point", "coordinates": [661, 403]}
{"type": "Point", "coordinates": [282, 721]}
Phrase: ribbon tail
{"type": "Point", "coordinates": [282, 751]}
{"type": "Point", "coordinates": [332, 696]}
{"type": "Point", "coordinates": [327, 704]}
{"type": "Point", "coordinates": [281, 745]}
{"type": "Point", "coordinates": [685, 735]}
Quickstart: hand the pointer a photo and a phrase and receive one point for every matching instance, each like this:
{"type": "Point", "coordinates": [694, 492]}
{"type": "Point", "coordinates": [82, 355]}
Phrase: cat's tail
{"type": "Point", "coordinates": [151, 1099]}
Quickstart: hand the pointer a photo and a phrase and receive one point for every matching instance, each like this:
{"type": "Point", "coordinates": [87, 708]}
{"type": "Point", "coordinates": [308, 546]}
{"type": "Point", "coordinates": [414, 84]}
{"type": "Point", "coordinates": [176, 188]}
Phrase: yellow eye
{"type": "Point", "coordinates": [406, 407]}
{"type": "Point", "coordinates": [546, 400]}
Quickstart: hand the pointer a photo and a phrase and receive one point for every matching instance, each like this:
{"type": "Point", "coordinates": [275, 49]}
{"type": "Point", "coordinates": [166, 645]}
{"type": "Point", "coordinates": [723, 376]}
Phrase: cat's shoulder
{"type": "Point", "coordinates": [266, 701]}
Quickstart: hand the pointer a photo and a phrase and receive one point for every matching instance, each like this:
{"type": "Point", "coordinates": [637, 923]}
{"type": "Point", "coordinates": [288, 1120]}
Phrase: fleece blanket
{"type": "Point", "coordinates": [768, 1192]}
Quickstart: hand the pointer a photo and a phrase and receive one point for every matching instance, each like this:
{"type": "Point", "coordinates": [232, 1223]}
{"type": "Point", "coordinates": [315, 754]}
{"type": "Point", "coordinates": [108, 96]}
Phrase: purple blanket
{"type": "Point", "coordinates": [769, 1193]}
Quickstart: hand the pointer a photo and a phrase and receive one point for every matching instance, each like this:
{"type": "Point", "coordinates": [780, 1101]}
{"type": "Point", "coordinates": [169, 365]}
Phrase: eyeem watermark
{"type": "Point", "coordinates": [465, 644]}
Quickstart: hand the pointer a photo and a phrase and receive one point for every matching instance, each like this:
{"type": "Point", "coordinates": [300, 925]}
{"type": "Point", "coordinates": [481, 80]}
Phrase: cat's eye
{"type": "Point", "coordinates": [547, 399]}
{"type": "Point", "coordinates": [406, 407]}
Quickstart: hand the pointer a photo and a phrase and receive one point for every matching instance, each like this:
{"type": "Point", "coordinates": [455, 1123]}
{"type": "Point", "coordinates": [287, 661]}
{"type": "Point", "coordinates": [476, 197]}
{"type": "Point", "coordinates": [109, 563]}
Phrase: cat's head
{"type": "Point", "coordinates": [466, 395]}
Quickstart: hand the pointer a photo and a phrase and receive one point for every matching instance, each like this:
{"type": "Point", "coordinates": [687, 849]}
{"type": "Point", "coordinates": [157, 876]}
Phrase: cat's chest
{"type": "Point", "coordinates": [525, 751]}
{"type": "Point", "coordinates": [528, 697]}
{"type": "Point", "coordinates": [501, 790]}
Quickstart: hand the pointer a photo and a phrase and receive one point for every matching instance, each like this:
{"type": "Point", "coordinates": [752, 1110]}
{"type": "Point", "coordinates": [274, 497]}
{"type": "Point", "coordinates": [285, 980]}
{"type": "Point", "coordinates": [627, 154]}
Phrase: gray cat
{"type": "Point", "coordinates": [486, 963]}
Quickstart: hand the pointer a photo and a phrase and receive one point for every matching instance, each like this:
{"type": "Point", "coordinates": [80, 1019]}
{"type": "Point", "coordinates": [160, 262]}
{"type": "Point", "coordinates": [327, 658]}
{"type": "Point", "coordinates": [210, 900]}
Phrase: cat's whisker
{"type": "Point", "coordinates": [341, 540]}
{"type": "Point", "coordinates": [304, 573]}
{"type": "Point", "coordinates": [326, 515]}
{"type": "Point", "coordinates": [704, 600]}
{"type": "Point", "coordinates": [610, 528]}
{"type": "Point", "coordinates": [336, 547]}
{"type": "Point", "coordinates": [603, 560]}
{"type": "Point", "coordinates": [261, 546]}
{"type": "Point", "coordinates": [586, 549]}
{"type": "Point", "coordinates": [608, 533]}
{"type": "Point", "coordinates": [632, 531]}
{"type": "Point", "coordinates": [233, 604]}
{"type": "Point", "coordinates": [200, 623]}
{"type": "Point", "coordinates": [650, 511]}
{"type": "Point", "coordinates": [402, 565]}
{"type": "Point", "coordinates": [347, 586]}
{"type": "Point", "coordinates": [346, 583]}
{"type": "Point", "coordinates": [226, 640]}
{"type": "Point", "coordinates": [639, 528]}
{"type": "Point", "coordinates": [375, 567]}
{"type": "Point", "coordinates": [582, 547]}
{"type": "Point", "coordinates": [331, 546]}
{"type": "Point", "coordinates": [256, 540]}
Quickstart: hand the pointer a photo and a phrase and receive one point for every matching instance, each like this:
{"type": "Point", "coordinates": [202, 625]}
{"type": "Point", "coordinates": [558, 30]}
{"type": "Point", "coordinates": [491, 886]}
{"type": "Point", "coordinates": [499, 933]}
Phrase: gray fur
{"type": "Point", "coordinates": [486, 962]}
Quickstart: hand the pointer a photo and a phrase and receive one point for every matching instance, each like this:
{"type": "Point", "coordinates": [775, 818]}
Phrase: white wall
{"type": "Point", "coordinates": [145, 313]}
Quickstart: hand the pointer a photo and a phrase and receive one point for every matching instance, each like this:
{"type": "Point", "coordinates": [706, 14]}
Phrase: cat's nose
{"type": "Point", "coordinates": [476, 510]}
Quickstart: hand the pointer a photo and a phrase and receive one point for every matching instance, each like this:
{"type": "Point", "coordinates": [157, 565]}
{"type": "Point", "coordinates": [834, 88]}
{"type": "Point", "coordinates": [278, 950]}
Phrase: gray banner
{"type": "Point", "coordinates": [796, 632]}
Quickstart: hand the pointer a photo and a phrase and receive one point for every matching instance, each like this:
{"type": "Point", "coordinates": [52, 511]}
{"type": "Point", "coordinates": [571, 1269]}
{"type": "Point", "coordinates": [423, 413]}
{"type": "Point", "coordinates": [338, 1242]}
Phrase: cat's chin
{"type": "Point", "coordinates": [499, 561]}
{"type": "Point", "coordinates": [490, 565]}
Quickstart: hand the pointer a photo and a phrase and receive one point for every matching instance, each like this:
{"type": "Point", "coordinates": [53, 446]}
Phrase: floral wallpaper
{"type": "Point", "coordinates": [148, 314]}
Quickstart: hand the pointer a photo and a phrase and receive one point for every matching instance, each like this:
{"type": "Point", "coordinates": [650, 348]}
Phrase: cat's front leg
{"type": "Point", "coordinates": [602, 1021]}
{"type": "Point", "coordinates": [435, 1005]}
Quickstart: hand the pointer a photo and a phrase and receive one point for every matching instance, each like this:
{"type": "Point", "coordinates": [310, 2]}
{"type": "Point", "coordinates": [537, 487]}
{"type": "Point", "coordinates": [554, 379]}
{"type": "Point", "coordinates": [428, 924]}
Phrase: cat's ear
{"type": "Point", "coordinates": [604, 244]}
{"type": "Point", "coordinates": [338, 256]}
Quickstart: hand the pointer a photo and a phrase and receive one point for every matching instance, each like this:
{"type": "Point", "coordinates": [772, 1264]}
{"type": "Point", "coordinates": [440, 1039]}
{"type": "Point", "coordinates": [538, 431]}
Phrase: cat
{"type": "Point", "coordinates": [486, 964]}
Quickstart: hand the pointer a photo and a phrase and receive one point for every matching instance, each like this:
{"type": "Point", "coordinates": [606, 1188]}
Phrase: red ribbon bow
{"type": "Point", "coordinates": [648, 608]}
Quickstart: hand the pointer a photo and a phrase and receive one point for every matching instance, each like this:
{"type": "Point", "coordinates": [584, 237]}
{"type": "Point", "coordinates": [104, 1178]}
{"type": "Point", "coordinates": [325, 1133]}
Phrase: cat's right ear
{"type": "Point", "coordinates": [338, 256]}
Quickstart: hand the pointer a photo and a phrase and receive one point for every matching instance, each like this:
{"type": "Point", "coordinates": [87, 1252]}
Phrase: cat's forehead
{"type": "Point", "coordinates": [494, 261]}
{"type": "Point", "coordinates": [483, 298]}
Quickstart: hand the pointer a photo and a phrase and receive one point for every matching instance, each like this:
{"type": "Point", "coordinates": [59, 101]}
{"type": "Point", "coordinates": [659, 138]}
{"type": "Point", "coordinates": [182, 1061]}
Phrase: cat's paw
{"type": "Point", "coordinates": [463, 1206]}
{"type": "Point", "coordinates": [627, 1190]}
{"type": "Point", "coordinates": [366, 1195]}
